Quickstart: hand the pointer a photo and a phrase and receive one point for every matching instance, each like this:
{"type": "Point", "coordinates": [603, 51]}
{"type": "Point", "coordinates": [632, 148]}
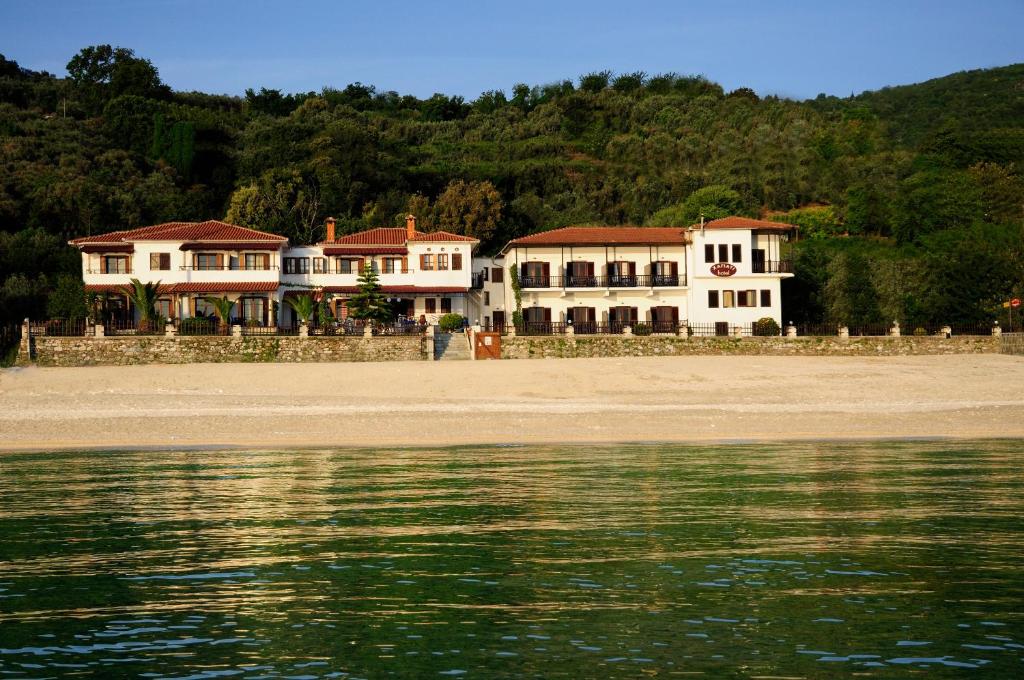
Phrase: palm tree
{"type": "Point", "coordinates": [303, 306]}
{"type": "Point", "coordinates": [222, 306]}
{"type": "Point", "coordinates": [144, 297]}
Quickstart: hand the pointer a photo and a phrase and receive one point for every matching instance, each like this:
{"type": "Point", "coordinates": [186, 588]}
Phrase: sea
{"type": "Point", "coordinates": [804, 560]}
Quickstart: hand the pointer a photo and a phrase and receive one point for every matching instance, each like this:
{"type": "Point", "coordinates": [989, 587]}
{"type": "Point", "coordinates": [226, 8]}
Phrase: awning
{"type": "Point", "coordinates": [365, 250]}
{"type": "Point", "coordinates": [230, 245]}
{"type": "Point", "coordinates": [235, 287]}
{"type": "Point", "coordinates": [107, 248]}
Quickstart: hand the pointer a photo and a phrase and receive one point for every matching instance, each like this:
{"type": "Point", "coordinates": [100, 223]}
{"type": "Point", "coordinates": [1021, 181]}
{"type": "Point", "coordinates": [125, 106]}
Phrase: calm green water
{"type": "Point", "coordinates": [731, 561]}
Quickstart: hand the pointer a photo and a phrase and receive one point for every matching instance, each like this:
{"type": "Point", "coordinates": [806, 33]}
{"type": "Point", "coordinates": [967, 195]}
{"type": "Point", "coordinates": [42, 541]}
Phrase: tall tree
{"type": "Point", "coordinates": [369, 302]}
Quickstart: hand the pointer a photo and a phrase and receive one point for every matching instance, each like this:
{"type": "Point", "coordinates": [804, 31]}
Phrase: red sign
{"type": "Point", "coordinates": [723, 269]}
{"type": "Point", "coordinates": [1015, 302]}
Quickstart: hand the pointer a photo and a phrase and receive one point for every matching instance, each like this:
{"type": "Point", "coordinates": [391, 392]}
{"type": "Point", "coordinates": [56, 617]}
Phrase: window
{"type": "Point", "coordinates": [446, 305]}
{"type": "Point", "coordinates": [728, 298]}
{"type": "Point", "coordinates": [319, 265]}
{"type": "Point", "coordinates": [766, 298]}
{"type": "Point", "coordinates": [713, 299]}
{"type": "Point", "coordinates": [487, 299]}
{"type": "Point", "coordinates": [256, 261]}
{"type": "Point", "coordinates": [160, 261]}
{"type": "Point", "coordinates": [343, 266]}
{"type": "Point", "coordinates": [430, 305]}
{"type": "Point", "coordinates": [737, 253]}
{"type": "Point", "coordinates": [204, 308]}
{"type": "Point", "coordinates": [709, 253]}
{"type": "Point", "coordinates": [389, 265]}
{"type": "Point", "coordinates": [723, 252]}
{"type": "Point", "coordinates": [117, 264]}
{"type": "Point", "coordinates": [484, 272]}
{"type": "Point", "coordinates": [497, 275]}
{"type": "Point", "coordinates": [296, 265]}
{"type": "Point", "coordinates": [442, 261]}
{"type": "Point", "coordinates": [163, 307]}
{"type": "Point", "coordinates": [746, 298]}
{"type": "Point", "coordinates": [456, 262]}
{"type": "Point", "coordinates": [254, 309]}
{"type": "Point", "coordinates": [206, 261]}
{"type": "Point", "coordinates": [426, 263]}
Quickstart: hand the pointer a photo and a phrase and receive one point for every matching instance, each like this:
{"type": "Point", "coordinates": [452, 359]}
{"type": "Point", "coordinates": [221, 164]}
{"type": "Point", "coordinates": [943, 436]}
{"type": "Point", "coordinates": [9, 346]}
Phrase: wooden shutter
{"type": "Point", "coordinates": [547, 310]}
{"type": "Point", "coordinates": [423, 263]}
{"type": "Point", "coordinates": [456, 262]}
{"type": "Point", "coordinates": [632, 269]}
{"type": "Point", "coordinates": [498, 275]}
{"type": "Point", "coordinates": [103, 264]}
{"type": "Point", "coordinates": [220, 260]}
{"type": "Point", "coordinates": [522, 270]}
{"type": "Point", "coordinates": [165, 261]}
{"type": "Point", "coordinates": [362, 264]}
{"type": "Point", "coordinates": [673, 269]}
{"type": "Point", "coordinates": [405, 265]}
{"type": "Point", "coordinates": [545, 273]}
{"type": "Point", "coordinates": [265, 261]}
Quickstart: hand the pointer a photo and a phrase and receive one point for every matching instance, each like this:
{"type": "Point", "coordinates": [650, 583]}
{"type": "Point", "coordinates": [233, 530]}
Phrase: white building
{"type": "Point", "coordinates": [717, 278]}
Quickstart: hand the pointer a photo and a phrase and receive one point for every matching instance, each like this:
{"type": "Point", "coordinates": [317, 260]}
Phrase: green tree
{"type": "Point", "coordinates": [369, 302]}
{"type": "Point", "coordinates": [143, 296]}
{"type": "Point", "coordinates": [712, 202]}
{"type": "Point", "coordinates": [68, 299]}
{"type": "Point", "coordinates": [222, 307]}
{"type": "Point", "coordinates": [303, 306]}
{"type": "Point", "coordinates": [469, 208]}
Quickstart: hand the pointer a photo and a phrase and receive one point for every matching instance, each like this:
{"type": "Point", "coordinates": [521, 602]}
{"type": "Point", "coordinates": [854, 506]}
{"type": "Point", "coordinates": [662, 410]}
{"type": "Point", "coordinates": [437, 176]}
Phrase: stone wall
{"type": "Point", "coordinates": [125, 350]}
{"type": "Point", "coordinates": [1012, 343]}
{"type": "Point", "coordinates": [620, 346]}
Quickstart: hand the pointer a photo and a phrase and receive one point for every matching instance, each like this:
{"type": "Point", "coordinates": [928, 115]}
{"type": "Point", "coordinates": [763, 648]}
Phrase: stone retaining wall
{"type": "Point", "coordinates": [125, 350]}
{"type": "Point", "coordinates": [1012, 343]}
{"type": "Point", "coordinates": [619, 346]}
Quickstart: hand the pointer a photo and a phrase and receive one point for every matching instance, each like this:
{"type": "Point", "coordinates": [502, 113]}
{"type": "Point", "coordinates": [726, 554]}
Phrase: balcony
{"type": "Point", "coordinates": [227, 268]}
{"type": "Point", "coordinates": [122, 270]}
{"type": "Point", "coordinates": [772, 267]}
{"type": "Point", "coordinates": [614, 281]}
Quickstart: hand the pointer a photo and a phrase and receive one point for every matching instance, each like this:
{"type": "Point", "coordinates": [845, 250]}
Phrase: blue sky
{"type": "Point", "coordinates": [793, 48]}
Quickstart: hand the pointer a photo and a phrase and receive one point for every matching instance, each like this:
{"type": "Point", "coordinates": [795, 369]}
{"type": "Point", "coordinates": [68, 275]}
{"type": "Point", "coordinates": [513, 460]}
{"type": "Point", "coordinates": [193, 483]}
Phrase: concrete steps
{"type": "Point", "coordinates": [451, 347]}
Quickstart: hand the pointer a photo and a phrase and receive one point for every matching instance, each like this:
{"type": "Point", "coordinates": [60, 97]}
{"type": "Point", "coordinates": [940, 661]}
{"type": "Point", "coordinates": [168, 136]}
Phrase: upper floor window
{"type": "Point", "coordinates": [442, 261]}
{"type": "Point", "coordinates": [115, 264]}
{"type": "Point", "coordinates": [497, 275]}
{"type": "Point", "coordinates": [159, 261]}
{"type": "Point", "coordinates": [427, 262]}
{"type": "Point", "coordinates": [723, 252]}
{"type": "Point", "coordinates": [319, 265]}
{"type": "Point", "coordinates": [256, 261]}
{"type": "Point", "coordinates": [456, 262]}
{"type": "Point", "coordinates": [345, 266]}
{"type": "Point", "coordinates": [207, 261]}
{"type": "Point", "coordinates": [737, 253]}
{"type": "Point", "coordinates": [296, 265]}
{"type": "Point", "coordinates": [709, 252]}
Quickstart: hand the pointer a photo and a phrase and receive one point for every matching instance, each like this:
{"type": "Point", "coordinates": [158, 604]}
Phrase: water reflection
{"type": "Point", "coordinates": [802, 560]}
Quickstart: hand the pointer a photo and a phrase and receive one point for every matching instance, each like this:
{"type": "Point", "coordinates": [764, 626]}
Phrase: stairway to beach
{"type": "Point", "coordinates": [451, 346]}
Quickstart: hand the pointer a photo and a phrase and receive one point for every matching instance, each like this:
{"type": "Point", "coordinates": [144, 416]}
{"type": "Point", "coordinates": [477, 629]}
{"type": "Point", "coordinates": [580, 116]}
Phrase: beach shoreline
{"type": "Point", "coordinates": [686, 400]}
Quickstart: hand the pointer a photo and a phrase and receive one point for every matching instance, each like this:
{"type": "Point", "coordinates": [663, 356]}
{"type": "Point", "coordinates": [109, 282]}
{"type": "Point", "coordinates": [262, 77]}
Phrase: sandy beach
{"type": "Point", "coordinates": [688, 399]}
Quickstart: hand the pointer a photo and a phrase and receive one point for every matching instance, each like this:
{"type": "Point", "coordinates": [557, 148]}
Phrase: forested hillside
{"type": "Point", "coordinates": [910, 199]}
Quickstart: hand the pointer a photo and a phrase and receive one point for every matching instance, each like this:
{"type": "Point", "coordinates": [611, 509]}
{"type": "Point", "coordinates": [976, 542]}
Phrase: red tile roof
{"type": "Point", "coordinates": [120, 288]}
{"type": "Point", "coordinates": [210, 230]}
{"type": "Point", "coordinates": [365, 250]}
{"type": "Point", "coordinates": [599, 236]}
{"type": "Point", "coordinates": [235, 287]}
{"type": "Point", "coordinates": [393, 236]}
{"type": "Point", "coordinates": [734, 222]}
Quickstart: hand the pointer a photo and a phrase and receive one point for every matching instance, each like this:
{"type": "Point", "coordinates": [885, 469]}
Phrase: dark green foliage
{"type": "Point", "coordinates": [450, 322]}
{"type": "Point", "coordinates": [111, 147]}
{"type": "Point", "coordinates": [369, 302]}
{"type": "Point", "coordinates": [766, 326]}
{"type": "Point", "coordinates": [68, 299]}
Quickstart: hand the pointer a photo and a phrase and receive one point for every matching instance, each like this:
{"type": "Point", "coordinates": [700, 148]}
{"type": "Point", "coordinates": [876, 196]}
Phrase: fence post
{"type": "Point", "coordinates": [684, 331]}
{"type": "Point", "coordinates": [627, 330]}
{"type": "Point", "coordinates": [737, 331]}
{"type": "Point", "coordinates": [570, 332]}
{"type": "Point", "coordinates": [236, 331]}
{"type": "Point", "coordinates": [303, 329]}
{"type": "Point", "coordinates": [895, 330]}
{"type": "Point", "coordinates": [946, 332]}
{"type": "Point", "coordinates": [368, 330]}
{"type": "Point", "coordinates": [790, 331]}
{"type": "Point", "coordinates": [25, 348]}
{"type": "Point", "coordinates": [844, 332]}
{"type": "Point", "coordinates": [429, 335]}
{"type": "Point", "coordinates": [101, 330]}
{"type": "Point", "coordinates": [169, 329]}
{"type": "Point", "coordinates": [997, 331]}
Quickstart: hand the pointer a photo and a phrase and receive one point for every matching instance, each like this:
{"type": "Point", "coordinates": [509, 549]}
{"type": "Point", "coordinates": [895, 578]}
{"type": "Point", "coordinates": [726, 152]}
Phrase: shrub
{"type": "Point", "coordinates": [766, 326]}
{"type": "Point", "coordinates": [450, 322]}
{"type": "Point", "coordinates": [641, 329]}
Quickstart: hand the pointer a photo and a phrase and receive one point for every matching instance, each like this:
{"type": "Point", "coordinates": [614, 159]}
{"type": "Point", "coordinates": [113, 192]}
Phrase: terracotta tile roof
{"type": "Point", "coordinates": [365, 250]}
{"type": "Point", "coordinates": [234, 287]}
{"type": "Point", "coordinates": [599, 236]}
{"type": "Point", "coordinates": [411, 290]}
{"type": "Point", "coordinates": [210, 230]}
{"type": "Point", "coordinates": [734, 222]}
{"type": "Point", "coordinates": [393, 236]}
{"type": "Point", "coordinates": [441, 236]}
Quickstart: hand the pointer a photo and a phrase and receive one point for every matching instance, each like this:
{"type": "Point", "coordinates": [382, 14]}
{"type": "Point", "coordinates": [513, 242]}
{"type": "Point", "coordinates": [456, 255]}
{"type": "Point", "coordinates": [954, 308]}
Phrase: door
{"type": "Point", "coordinates": [757, 261]}
{"type": "Point", "coordinates": [583, 319]}
{"type": "Point", "coordinates": [722, 328]}
{"type": "Point", "coordinates": [488, 345]}
{"type": "Point", "coordinates": [665, 319]}
{"type": "Point", "coordinates": [498, 321]}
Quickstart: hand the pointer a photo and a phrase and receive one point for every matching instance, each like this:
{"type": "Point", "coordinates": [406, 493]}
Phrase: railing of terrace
{"type": "Point", "coordinates": [613, 281]}
{"type": "Point", "coordinates": [62, 328]}
{"type": "Point", "coordinates": [198, 325]}
{"type": "Point", "coordinates": [772, 267]}
{"type": "Point", "coordinates": [132, 327]}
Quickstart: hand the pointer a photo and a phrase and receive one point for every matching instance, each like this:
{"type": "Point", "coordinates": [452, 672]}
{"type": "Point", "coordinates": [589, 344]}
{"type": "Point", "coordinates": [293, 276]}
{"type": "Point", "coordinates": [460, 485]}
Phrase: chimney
{"type": "Point", "coordinates": [330, 229]}
{"type": "Point", "coordinates": [410, 226]}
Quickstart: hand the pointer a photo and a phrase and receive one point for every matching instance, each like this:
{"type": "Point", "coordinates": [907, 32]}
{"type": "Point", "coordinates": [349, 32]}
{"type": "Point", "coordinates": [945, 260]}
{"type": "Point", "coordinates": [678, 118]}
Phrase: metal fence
{"type": "Point", "coordinates": [199, 325]}
{"type": "Point", "coordinates": [61, 328]}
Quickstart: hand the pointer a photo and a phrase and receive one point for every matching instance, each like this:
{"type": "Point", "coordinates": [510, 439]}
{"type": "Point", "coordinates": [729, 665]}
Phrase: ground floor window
{"type": "Point", "coordinates": [446, 305]}
{"type": "Point", "coordinates": [430, 305]}
{"type": "Point", "coordinates": [766, 298]}
{"type": "Point", "coordinates": [254, 310]}
{"type": "Point", "coordinates": [164, 308]}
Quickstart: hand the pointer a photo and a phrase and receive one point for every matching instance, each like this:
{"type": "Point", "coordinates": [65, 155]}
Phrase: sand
{"type": "Point", "coordinates": [677, 399]}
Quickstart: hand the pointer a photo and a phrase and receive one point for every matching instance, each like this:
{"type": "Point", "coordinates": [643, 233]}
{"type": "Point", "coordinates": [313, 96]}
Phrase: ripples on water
{"type": "Point", "coordinates": [796, 560]}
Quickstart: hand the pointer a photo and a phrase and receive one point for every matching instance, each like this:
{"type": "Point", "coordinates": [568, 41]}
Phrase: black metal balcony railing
{"type": "Point", "coordinates": [613, 281]}
{"type": "Point", "coordinates": [123, 270]}
{"type": "Point", "coordinates": [227, 267]}
{"type": "Point", "coordinates": [478, 281]}
{"type": "Point", "coordinates": [772, 267]}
